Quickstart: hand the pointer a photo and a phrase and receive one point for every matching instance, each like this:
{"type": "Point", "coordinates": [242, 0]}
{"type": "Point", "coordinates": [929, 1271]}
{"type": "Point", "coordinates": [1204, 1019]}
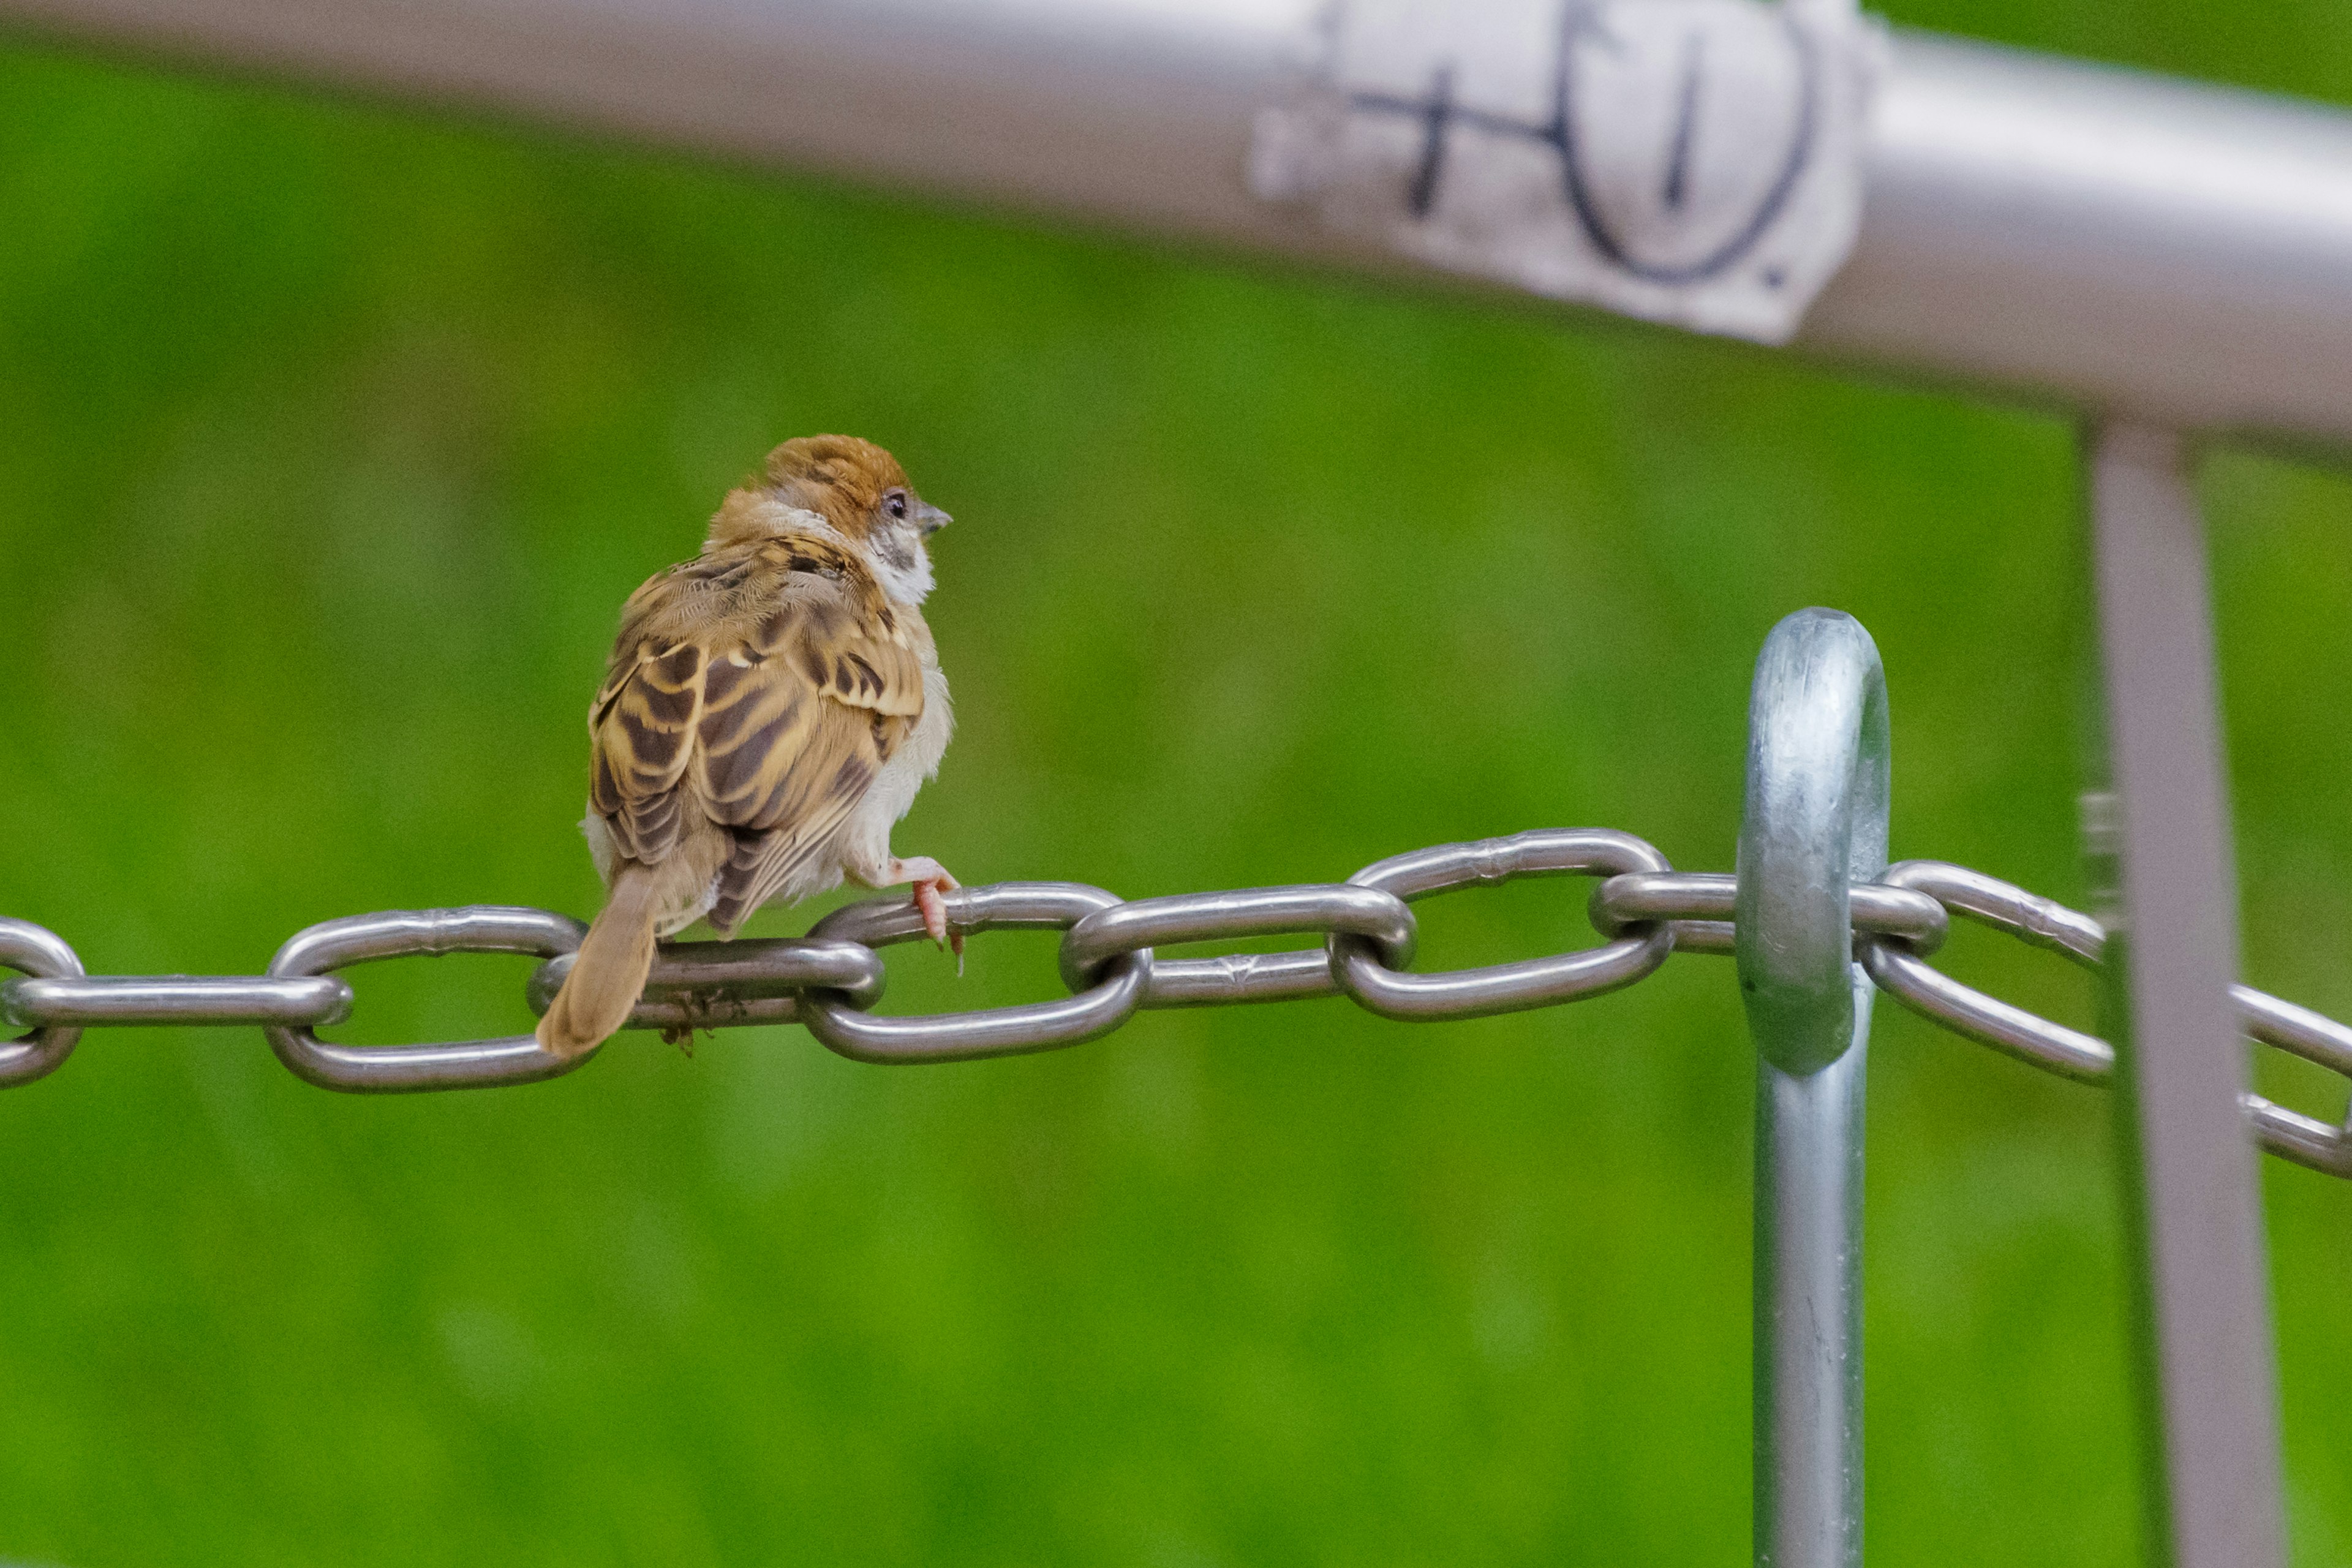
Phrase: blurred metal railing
{"type": "Point", "coordinates": [2092, 235]}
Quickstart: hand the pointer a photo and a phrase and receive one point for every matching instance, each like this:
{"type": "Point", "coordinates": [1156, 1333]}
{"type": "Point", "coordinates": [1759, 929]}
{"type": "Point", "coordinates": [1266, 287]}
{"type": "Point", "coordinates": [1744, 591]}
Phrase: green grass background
{"type": "Point", "coordinates": [331, 436]}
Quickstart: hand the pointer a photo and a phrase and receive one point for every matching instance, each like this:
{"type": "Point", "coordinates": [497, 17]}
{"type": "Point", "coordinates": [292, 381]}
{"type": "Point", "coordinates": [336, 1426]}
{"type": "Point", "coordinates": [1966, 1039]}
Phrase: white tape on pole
{"type": "Point", "coordinates": [1693, 162]}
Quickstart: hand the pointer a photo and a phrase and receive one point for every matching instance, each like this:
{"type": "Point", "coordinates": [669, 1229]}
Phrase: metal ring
{"type": "Point", "coordinates": [1501, 987]}
{"type": "Point", "coordinates": [1701, 905]}
{"type": "Point", "coordinates": [2299, 1031]}
{"type": "Point", "coordinates": [1643, 897]}
{"type": "Point", "coordinates": [991, 1032]}
{"type": "Point", "coordinates": [203, 999]}
{"type": "Point", "coordinates": [402, 933]}
{"type": "Point", "coordinates": [1903, 973]}
{"type": "Point", "coordinates": [1972, 1014]}
{"type": "Point", "coordinates": [37, 951]}
{"type": "Point", "coordinates": [1322, 907]}
{"type": "Point", "coordinates": [1696, 906]}
{"type": "Point", "coordinates": [1969, 1013]}
{"type": "Point", "coordinates": [2004, 906]}
{"type": "Point", "coordinates": [2290, 1134]}
{"type": "Point", "coordinates": [1812, 826]}
{"type": "Point", "coordinates": [2304, 1140]}
{"type": "Point", "coordinates": [722, 984]}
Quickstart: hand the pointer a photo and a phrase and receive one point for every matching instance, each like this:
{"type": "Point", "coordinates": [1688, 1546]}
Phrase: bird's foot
{"type": "Point", "coordinates": [933, 884]}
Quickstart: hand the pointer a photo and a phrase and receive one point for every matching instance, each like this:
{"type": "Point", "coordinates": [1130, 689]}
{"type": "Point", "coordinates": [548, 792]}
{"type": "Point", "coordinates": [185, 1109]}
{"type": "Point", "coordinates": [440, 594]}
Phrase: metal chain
{"type": "Point", "coordinates": [832, 980]}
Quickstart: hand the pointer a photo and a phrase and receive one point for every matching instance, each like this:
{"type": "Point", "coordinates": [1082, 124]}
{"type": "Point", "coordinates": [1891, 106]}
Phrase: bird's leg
{"type": "Point", "coordinates": [931, 884]}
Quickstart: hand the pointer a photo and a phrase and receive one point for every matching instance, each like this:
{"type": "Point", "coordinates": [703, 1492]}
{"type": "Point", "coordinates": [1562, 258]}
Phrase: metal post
{"type": "Point", "coordinates": [1815, 824]}
{"type": "Point", "coordinates": [2195, 1216]}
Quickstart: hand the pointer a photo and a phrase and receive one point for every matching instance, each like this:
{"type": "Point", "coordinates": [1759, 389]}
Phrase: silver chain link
{"type": "Point", "coordinates": [832, 980]}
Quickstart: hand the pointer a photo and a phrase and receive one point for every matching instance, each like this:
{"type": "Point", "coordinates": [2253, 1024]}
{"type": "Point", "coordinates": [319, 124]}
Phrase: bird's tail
{"type": "Point", "coordinates": [609, 973]}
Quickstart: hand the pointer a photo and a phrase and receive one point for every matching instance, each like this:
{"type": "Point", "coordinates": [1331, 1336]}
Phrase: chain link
{"type": "Point", "coordinates": [407, 933]}
{"type": "Point", "coordinates": [1633, 954]}
{"type": "Point", "coordinates": [832, 980]}
{"type": "Point", "coordinates": [1102, 1006]}
{"type": "Point", "coordinates": [722, 985]}
{"type": "Point", "coordinates": [29, 950]}
{"type": "Point", "coordinates": [1901, 971]}
{"type": "Point", "coordinates": [1699, 905]}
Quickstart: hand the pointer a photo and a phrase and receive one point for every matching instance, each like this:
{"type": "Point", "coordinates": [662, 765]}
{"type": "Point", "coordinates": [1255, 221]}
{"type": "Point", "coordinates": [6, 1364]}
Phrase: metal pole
{"type": "Point", "coordinates": [2028, 222]}
{"type": "Point", "coordinates": [2203, 1306]}
{"type": "Point", "coordinates": [1815, 824]}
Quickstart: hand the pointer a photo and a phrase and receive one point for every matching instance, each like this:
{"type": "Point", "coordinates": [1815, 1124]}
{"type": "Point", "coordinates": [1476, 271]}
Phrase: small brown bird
{"type": "Point", "coordinates": [771, 709]}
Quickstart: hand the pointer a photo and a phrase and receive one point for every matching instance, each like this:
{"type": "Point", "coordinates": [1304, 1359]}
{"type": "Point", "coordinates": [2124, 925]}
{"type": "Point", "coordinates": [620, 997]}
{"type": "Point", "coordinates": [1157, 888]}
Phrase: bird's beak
{"type": "Point", "coordinates": [929, 518]}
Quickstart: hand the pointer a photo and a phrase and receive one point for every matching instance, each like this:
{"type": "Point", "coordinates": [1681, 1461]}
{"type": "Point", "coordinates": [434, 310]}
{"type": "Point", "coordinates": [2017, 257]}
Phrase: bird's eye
{"type": "Point", "coordinates": [897, 503]}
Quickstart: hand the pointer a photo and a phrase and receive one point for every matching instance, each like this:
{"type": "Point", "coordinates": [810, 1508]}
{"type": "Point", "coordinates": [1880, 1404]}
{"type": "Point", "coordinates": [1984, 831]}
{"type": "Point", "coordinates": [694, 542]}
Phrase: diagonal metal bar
{"type": "Point", "coordinates": [2202, 1308]}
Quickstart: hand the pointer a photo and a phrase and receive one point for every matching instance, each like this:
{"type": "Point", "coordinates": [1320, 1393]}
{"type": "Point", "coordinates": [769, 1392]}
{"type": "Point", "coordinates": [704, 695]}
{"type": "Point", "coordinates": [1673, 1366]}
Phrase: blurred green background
{"type": "Point", "coordinates": [331, 436]}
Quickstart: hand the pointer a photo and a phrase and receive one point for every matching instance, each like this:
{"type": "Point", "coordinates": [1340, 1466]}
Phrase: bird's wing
{"type": "Point", "coordinates": [641, 733]}
{"type": "Point", "coordinates": [771, 716]}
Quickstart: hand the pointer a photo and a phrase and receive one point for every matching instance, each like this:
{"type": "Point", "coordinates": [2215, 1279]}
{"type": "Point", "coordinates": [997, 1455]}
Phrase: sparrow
{"type": "Point", "coordinates": [771, 710]}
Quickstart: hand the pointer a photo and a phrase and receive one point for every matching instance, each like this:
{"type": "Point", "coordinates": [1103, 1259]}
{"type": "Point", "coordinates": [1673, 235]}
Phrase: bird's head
{"type": "Point", "coordinates": [845, 487]}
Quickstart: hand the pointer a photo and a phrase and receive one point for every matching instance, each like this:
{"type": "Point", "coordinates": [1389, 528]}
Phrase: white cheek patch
{"type": "Point", "coordinates": [905, 570]}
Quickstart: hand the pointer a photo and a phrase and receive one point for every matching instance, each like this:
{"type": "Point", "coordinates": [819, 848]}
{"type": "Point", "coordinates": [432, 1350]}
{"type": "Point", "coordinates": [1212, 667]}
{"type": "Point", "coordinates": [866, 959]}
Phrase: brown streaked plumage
{"type": "Point", "coordinates": [769, 710]}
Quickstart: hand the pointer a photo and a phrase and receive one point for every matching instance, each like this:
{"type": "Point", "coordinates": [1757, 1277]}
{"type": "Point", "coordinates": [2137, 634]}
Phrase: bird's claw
{"type": "Point", "coordinates": [930, 900]}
